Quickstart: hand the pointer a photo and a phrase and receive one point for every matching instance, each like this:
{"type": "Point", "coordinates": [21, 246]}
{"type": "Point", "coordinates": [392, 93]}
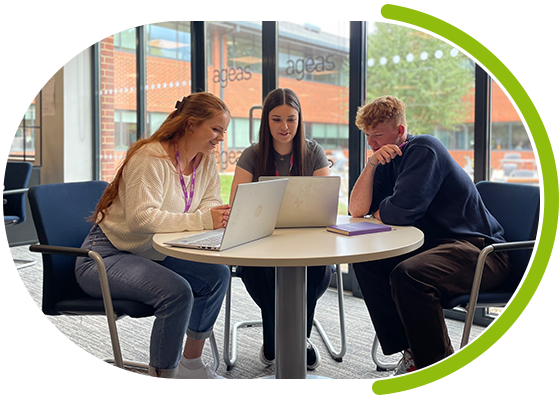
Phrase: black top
{"type": "Point", "coordinates": [426, 188]}
{"type": "Point", "coordinates": [315, 159]}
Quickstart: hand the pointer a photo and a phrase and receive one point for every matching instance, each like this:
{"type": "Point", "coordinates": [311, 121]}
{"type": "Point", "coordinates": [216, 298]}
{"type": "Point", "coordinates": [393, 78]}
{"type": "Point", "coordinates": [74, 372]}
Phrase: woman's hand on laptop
{"type": "Point", "coordinates": [220, 216]}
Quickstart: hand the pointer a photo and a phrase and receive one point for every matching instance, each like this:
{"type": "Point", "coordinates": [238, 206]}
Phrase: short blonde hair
{"type": "Point", "coordinates": [380, 110]}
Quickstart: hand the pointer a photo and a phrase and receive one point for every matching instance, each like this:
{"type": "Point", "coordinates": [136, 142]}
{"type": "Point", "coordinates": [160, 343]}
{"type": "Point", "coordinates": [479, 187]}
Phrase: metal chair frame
{"type": "Point", "coordinates": [22, 263]}
{"type": "Point", "coordinates": [112, 317]}
{"type": "Point", "coordinates": [469, 307]}
{"type": "Point", "coordinates": [52, 307]}
{"type": "Point", "coordinates": [467, 304]}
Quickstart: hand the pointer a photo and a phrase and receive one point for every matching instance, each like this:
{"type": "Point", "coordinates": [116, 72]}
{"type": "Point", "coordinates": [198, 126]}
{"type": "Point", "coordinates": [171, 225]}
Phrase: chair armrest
{"type": "Point", "coordinates": [67, 251]}
{"type": "Point", "coordinates": [475, 289]}
{"type": "Point", "coordinates": [74, 251]}
{"type": "Point", "coordinates": [485, 252]}
{"type": "Point", "coordinates": [14, 191]}
{"type": "Point", "coordinates": [528, 244]}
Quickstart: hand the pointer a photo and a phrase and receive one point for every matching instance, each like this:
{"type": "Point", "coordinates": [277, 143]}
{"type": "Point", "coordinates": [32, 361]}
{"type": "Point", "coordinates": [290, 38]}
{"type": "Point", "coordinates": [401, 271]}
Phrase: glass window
{"type": "Point", "coordinates": [125, 40]}
{"type": "Point", "coordinates": [125, 130]}
{"type": "Point", "coordinates": [239, 141]}
{"type": "Point", "coordinates": [313, 63]}
{"type": "Point", "coordinates": [155, 120]}
{"type": "Point", "coordinates": [169, 40]}
{"type": "Point", "coordinates": [320, 62]}
{"type": "Point", "coordinates": [317, 132]}
{"type": "Point", "coordinates": [168, 69]}
{"type": "Point", "coordinates": [21, 123]}
{"type": "Point", "coordinates": [244, 49]}
{"type": "Point", "coordinates": [434, 80]}
{"type": "Point", "coordinates": [117, 100]}
{"type": "Point", "coordinates": [234, 64]}
{"type": "Point", "coordinates": [512, 158]}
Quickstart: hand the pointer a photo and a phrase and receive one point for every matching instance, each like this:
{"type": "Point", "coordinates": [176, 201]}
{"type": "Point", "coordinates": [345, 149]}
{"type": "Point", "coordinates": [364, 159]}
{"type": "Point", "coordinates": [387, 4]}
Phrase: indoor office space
{"type": "Point", "coordinates": [120, 90]}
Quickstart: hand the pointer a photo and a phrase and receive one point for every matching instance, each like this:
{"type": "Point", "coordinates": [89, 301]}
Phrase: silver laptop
{"type": "Point", "coordinates": [252, 216]}
{"type": "Point", "coordinates": [310, 201]}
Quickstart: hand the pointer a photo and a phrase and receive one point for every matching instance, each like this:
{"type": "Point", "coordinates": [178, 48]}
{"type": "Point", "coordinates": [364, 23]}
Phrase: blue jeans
{"type": "Point", "coordinates": [187, 296]}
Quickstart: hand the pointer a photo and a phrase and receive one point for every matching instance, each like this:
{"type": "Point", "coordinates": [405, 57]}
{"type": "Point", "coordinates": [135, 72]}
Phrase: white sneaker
{"type": "Point", "coordinates": [406, 364]}
{"type": "Point", "coordinates": [205, 372]}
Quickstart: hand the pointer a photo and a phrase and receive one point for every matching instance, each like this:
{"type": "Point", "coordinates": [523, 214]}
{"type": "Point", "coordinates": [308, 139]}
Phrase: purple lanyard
{"type": "Point", "coordinates": [188, 199]}
{"type": "Point", "coordinates": [291, 165]}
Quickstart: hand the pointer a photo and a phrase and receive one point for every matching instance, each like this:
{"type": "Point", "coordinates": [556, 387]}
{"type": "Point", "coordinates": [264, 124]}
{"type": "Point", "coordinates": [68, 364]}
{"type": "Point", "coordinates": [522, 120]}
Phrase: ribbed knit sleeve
{"type": "Point", "coordinates": [151, 200]}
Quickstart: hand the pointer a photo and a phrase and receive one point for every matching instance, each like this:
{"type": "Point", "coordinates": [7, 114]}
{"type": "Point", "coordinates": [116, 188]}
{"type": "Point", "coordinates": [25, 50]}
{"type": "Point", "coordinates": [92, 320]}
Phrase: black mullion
{"type": "Point", "coordinates": [482, 124]}
{"type": "Point", "coordinates": [356, 140]}
{"type": "Point", "coordinates": [357, 97]}
{"type": "Point", "coordinates": [482, 146]}
{"type": "Point", "coordinates": [269, 56]}
{"type": "Point", "coordinates": [198, 57]}
{"type": "Point", "coordinates": [141, 130]}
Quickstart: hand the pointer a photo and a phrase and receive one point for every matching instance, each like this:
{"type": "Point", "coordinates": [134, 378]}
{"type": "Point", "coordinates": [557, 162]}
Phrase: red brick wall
{"type": "Point", "coordinates": [107, 109]}
{"type": "Point", "coordinates": [321, 103]}
{"type": "Point", "coordinates": [502, 109]}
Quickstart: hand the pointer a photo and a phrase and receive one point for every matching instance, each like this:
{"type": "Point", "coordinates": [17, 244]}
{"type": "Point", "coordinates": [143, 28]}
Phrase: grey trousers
{"type": "Point", "coordinates": [403, 294]}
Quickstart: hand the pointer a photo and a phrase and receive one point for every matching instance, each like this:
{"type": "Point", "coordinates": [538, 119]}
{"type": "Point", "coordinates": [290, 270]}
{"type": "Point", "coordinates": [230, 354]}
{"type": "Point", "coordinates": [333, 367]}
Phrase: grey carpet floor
{"type": "Point", "coordinates": [90, 333]}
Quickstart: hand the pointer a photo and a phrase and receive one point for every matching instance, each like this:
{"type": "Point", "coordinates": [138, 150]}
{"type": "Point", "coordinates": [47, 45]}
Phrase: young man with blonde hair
{"type": "Point", "coordinates": [413, 180]}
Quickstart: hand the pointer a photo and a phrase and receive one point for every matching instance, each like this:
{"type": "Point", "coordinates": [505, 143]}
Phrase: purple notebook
{"type": "Point", "coordinates": [358, 228]}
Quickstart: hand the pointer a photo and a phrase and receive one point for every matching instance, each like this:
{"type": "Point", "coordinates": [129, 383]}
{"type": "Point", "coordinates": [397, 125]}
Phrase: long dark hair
{"type": "Point", "coordinates": [265, 163]}
{"type": "Point", "coordinates": [193, 109]}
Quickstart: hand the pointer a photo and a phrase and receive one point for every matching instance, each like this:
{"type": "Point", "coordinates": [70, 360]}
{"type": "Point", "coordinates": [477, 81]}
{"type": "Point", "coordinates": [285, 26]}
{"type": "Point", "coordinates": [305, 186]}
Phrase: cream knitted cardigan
{"type": "Point", "coordinates": [151, 201]}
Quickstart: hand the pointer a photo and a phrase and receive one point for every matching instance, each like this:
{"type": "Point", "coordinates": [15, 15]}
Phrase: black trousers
{"type": "Point", "coordinates": [403, 294]}
{"type": "Point", "coordinates": [259, 282]}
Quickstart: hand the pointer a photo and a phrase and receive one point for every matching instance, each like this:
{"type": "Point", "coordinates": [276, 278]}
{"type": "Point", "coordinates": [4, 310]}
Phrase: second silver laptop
{"type": "Point", "coordinates": [309, 201]}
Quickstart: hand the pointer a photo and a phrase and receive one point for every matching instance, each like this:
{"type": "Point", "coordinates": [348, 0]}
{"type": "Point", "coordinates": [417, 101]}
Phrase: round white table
{"type": "Point", "coordinates": [297, 249]}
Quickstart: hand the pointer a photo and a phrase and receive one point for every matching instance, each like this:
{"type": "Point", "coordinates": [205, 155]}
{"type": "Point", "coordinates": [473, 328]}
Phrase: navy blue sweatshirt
{"type": "Point", "coordinates": [426, 188]}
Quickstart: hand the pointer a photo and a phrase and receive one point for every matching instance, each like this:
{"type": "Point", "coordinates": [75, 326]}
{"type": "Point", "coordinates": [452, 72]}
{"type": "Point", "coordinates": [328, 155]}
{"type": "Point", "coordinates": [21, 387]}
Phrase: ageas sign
{"type": "Point", "coordinates": [301, 66]}
{"type": "Point", "coordinates": [225, 75]}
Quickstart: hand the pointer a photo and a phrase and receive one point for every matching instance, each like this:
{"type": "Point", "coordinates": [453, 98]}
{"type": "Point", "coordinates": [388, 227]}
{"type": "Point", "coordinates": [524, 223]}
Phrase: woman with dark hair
{"type": "Point", "coordinates": [282, 150]}
{"type": "Point", "coordinates": [167, 183]}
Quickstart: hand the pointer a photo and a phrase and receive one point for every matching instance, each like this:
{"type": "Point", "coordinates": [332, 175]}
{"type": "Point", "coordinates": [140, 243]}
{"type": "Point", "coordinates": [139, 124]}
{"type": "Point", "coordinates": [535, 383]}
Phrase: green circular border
{"type": "Point", "coordinates": [518, 45]}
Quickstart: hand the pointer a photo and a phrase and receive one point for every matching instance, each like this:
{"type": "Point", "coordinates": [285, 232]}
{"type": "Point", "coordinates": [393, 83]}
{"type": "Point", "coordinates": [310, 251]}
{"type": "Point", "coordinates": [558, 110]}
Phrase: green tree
{"type": "Point", "coordinates": [432, 78]}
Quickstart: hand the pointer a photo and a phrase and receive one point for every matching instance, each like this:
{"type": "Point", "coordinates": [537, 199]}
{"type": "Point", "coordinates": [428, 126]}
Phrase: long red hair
{"type": "Point", "coordinates": [193, 109]}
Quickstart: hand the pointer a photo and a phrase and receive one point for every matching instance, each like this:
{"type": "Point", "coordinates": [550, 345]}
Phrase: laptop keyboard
{"type": "Point", "coordinates": [209, 241]}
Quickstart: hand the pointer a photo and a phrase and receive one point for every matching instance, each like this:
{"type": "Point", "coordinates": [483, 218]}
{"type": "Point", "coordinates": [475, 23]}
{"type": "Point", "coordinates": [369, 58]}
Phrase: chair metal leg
{"type": "Point", "coordinates": [215, 352]}
{"type": "Point", "coordinates": [230, 335]}
{"type": "Point", "coordinates": [105, 294]}
{"type": "Point", "coordinates": [381, 366]}
{"type": "Point", "coordinates": [471, 307]}
{"type": "Point", "coordinates": [230, 362]}
{"type": "Point", "coordinates": [336, 355]}
{"type": "Point", "coordinates": [112, 318]}
{"type": "Point", "coordinates": [22, 263]}
{"type": "Point", "coordinates": [109, 311]}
